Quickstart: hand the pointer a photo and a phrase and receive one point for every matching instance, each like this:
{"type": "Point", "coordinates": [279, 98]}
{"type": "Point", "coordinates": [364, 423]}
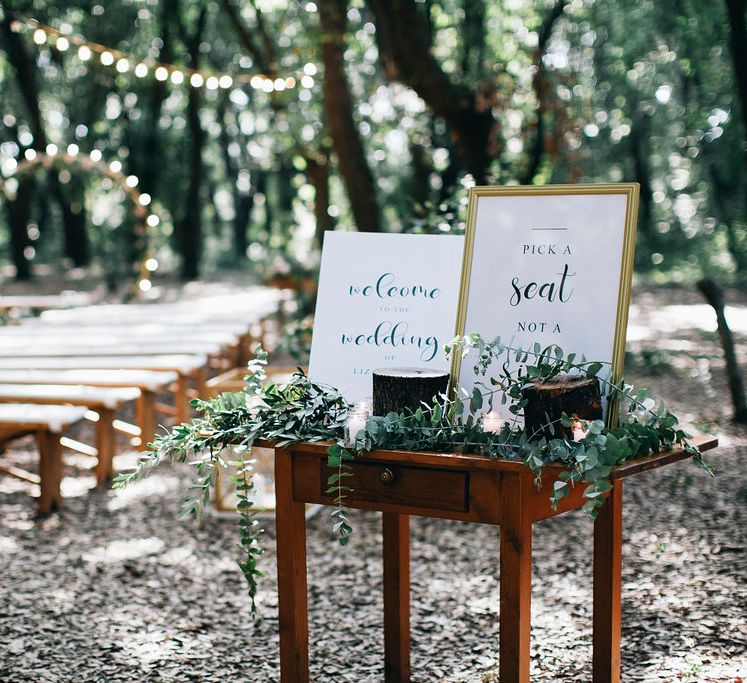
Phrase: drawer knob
{"type": "Point", "coordinates": [387, 476]}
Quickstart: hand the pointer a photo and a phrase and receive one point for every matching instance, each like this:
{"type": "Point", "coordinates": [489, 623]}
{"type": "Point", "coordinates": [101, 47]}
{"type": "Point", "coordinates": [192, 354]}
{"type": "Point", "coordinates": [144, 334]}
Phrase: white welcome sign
{"type": "Point", "coordinates": [549, 265]}
{"type": "Point", "coordinates": [385, 300]}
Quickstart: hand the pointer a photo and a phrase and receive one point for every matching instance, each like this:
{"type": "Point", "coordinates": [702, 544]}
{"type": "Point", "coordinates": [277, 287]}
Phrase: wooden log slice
{"type": "Point", "coordinates": [395, 389]}
{"type": "Point", "coordinates": [548, 400]}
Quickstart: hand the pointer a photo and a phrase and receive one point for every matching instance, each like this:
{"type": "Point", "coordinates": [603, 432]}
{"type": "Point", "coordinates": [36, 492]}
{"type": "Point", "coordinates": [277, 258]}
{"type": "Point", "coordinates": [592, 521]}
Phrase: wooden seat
{"type": "Point", "coordinates": [102, 402]}
{"type": "Point", "coordinates": [149, 383]}
{"type": "Point", "coordinates": [189, 367]}
{"type": "Point", "coordinates": [49, 422]}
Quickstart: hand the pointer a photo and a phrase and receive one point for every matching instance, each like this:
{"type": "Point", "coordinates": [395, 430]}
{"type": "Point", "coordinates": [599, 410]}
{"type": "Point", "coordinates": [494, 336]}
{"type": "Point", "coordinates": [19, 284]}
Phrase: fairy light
{"type": "Point", "coordinates": [123, 63]}
{"type": "Point", "coordinates": [72, 157]}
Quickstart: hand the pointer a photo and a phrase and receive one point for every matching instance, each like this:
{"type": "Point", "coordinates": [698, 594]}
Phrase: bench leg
{"type": "Point", "coordinates": [50, 471]}
{"type": "Point", "coordinates": [607, 588]}
{"type": "Point", "coordinates": [105, 446]}
{"type": "Point", "coordinates": [396, 537]}
{"type": "Point", "coordinates": [181, 400]}
{"type": "Point", "coordinates": [516, 581]}
{"type": "Point", "coordinates": [290, 519]}
{"type": "Point", "coordinates": [146, 418]}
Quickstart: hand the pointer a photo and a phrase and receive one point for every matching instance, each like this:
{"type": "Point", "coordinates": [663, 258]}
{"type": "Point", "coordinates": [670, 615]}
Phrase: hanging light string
{"type": "Point", "coordinates": [161, 71]}
{"type": "Point", "coordinates": [145, 220]}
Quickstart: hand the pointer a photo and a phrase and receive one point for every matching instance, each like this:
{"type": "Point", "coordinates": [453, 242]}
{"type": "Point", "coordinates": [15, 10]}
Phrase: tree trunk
{"type": "Point", "coordinates": [189, 227]}
{"type": "Point", "coordinates": [75, 241]}
{"type": "Point", "coordinates": [541, 90]}
{"type": "Point", "coordinates": [574, 395]}
{"type": "Point", "coordinates": [19, 212]}
{"type": "Point", "coordinates": [399, 389]}
{"type": "Point", "coordinates": [338, 112]}
{"type": "Point", "coordinates": [404, 44]}
{"type": "Point", "coordinates": [738, 43]}
{"type": "Point", "coordinates": [317, 171]}
{"type": "Point", "coordinates": [715, 297]}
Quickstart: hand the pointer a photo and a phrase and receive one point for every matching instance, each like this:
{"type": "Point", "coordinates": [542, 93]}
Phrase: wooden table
{"type": "Point", "coordinates": [470, 488]}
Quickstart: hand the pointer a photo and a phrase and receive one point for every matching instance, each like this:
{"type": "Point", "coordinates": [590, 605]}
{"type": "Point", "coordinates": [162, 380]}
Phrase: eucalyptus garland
{"type": "Point", "coordinates": [305, 411]}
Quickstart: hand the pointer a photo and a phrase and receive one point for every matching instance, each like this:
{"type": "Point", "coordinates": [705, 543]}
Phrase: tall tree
{"type": "Point", "coordinates": [338, 112]}
{"type": "Point", "coordinates": [189, 224]}
{"type": "Point", "coordinates": [405, 46]}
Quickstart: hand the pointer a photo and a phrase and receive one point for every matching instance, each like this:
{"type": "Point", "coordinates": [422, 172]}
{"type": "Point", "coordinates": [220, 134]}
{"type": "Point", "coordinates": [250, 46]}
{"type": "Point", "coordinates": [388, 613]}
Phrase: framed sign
{"type": "Point", "coordinates": [384, 300]}
{"type": "Point", "coordinates": [549, 264]}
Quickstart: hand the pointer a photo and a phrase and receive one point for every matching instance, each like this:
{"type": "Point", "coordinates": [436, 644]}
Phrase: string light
{"type": "Point", "coordinates": [143, 219]}
{"type": "Point", "coordinates": [123, 63]}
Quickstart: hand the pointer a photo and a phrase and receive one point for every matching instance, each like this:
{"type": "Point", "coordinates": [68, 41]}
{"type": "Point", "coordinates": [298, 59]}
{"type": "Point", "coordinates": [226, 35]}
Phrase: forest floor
{"type": "Point", "coordinates": [115, 588]}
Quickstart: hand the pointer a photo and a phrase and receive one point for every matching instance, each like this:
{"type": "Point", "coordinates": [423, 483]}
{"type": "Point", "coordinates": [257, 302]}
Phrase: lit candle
{"type": "Point", "coordinates": [363, 407]}
{"type": "Point", "coordinates": [355, 423]}
{"type": "Point", "coordinates": [492, 422]}
{"type": "Point", "coordinates": [253, 402]}
{"type": "Point", "coordinates": [577, 431]}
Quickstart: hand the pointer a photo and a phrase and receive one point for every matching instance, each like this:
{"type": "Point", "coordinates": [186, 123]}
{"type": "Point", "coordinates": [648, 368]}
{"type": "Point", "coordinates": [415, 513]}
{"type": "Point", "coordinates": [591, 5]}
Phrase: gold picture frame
{"type": "Point", "coordinates": [631, 193]}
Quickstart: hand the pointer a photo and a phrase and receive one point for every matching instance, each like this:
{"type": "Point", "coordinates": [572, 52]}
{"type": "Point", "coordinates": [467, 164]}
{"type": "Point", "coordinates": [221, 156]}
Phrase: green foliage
{"type": "Point", "coordinates": [284, 414]}
{"type": "Point", "coordinates": [305, 411]}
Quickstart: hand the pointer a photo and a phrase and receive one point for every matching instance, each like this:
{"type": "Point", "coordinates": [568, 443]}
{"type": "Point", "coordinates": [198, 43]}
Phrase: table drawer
{"type": "Point", "coordinates": [406, 485]}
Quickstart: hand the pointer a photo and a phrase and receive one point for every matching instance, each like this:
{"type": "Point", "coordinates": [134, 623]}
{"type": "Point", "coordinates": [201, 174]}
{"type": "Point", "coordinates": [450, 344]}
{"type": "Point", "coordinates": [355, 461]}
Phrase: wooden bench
{"type": "Point", "coordinates": [187, 366]}
{"type": "Point", "coordinates": [49, 422]}
{"type": "Point", "coordinates": [149, 382]}
{"type": "Point", "coordinates": [102, 404]}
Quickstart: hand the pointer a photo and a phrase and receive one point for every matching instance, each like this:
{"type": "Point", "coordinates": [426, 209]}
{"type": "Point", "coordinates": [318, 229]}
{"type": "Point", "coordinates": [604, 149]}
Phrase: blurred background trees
{"type": "Point", "coordinates": [369, 115]}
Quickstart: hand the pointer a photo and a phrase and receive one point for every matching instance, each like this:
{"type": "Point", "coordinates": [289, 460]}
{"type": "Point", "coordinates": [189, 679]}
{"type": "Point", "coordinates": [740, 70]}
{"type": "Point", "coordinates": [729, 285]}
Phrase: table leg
{"type": "Point", "coordinates": [608, 587]}
{"type": "Point", "coordinates": [291, 557]}
{"type": "Point", "coordinates": [516, 581]}
{"type": "Point", "coordinates": [396, 535]}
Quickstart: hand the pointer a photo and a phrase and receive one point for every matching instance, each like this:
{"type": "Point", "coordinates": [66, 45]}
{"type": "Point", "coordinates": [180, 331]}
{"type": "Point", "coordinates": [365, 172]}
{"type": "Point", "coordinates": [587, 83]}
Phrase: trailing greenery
{"type": "Point", "coordinates": [300, 410]}
{"type": "Point", "coordinates": [303, 411]}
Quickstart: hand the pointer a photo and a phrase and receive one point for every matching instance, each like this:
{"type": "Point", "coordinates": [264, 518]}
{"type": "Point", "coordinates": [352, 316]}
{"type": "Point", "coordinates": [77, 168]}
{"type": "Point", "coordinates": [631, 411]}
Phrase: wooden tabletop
{"type": "Point", "coordinates": [482, 462]}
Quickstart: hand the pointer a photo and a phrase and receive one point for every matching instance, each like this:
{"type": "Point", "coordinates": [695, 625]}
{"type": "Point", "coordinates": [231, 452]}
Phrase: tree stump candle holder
{"type": "Point", "coordinates": [574, 395]}
{"type": "Point", "coordinates": [395, 389]}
